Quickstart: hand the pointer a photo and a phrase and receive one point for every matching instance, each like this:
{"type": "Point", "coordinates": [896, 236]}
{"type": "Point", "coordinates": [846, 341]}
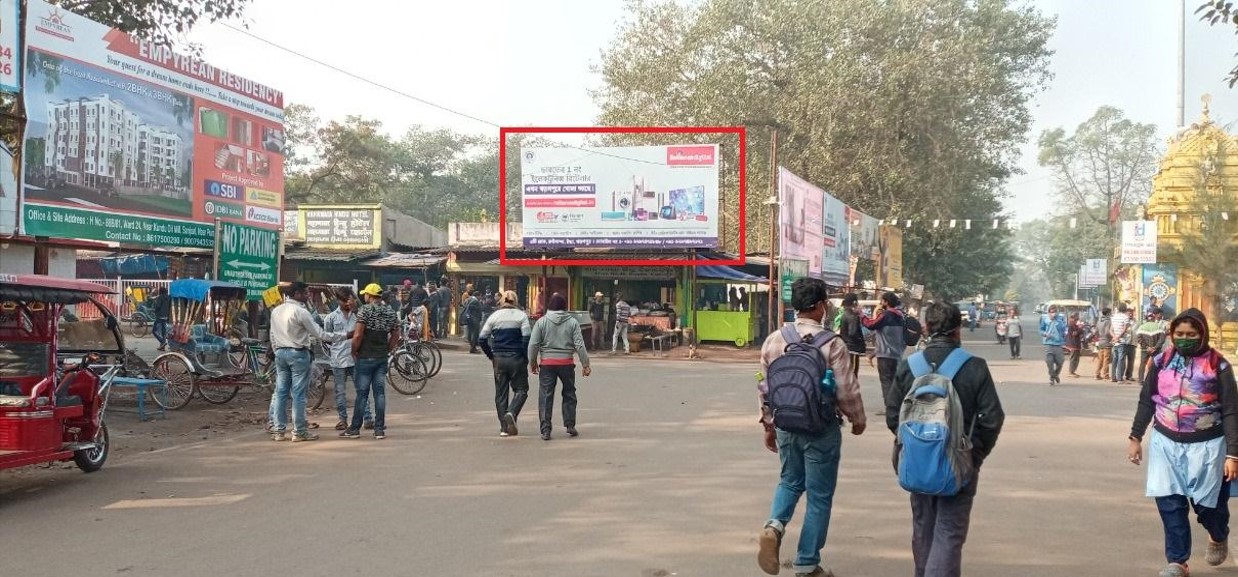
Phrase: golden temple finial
{"type": "Point", "coordinates": [1204, 114]}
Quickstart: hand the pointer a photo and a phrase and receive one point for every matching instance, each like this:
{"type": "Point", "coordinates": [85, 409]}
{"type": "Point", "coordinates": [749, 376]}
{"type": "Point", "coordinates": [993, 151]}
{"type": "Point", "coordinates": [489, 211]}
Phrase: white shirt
{"type": "Point", "coordinates": [341, 352]}
{"type": "Point", "coordinates": [292, 327]}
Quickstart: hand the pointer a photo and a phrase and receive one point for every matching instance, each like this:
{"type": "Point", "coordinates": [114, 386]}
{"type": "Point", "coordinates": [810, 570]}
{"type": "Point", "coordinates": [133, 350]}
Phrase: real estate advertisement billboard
{"type": "Point", "coordinates": [801, 206]}
{"type": "Point", "coordinates": [10, 46]}
{"type": "Point", "coordinates": [620, 197]}
{"type": "Point", "coordinates": [131, 142]}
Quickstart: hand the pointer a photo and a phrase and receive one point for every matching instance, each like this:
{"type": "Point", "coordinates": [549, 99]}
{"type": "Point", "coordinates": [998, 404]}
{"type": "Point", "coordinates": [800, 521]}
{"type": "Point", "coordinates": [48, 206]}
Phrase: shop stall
{"type": "Point", "coordinates": [728, 305]}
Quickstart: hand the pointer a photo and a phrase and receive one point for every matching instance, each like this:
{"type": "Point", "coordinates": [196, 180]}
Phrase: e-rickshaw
{"type": "Point", "coordinates": [52, 397]}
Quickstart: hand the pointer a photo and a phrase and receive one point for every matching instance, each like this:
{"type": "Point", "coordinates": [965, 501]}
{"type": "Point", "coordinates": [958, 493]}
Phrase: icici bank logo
{"type": "Point", "coordinates": [691, 155]}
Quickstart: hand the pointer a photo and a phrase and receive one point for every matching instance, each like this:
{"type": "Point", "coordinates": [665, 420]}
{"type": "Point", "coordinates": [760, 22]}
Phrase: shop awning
{"type": "Point", "coordinates": [132, 264]}
{"type": "Point", "coordinates": [329, 255]}
{"type": "Point", "coordinates": [727, 273]}
{"type": "Point", "coordinates": [405, 260]}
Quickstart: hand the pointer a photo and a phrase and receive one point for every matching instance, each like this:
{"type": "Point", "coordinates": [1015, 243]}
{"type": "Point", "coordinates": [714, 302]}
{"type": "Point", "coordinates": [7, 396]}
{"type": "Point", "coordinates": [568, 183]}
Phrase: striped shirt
{"type": "Point", "coordinates": [506, 331]}
{"type": "Point", "coordinates": [623, 312]}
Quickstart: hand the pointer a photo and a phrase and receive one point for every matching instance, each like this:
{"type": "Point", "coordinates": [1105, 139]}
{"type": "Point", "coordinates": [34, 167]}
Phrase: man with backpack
{"type": "Point", "coordinates": [805, 382]}
{"type": "Point", "coordinates": [941, 470]}
{"type": "Point", "coordinates": [890, 332]}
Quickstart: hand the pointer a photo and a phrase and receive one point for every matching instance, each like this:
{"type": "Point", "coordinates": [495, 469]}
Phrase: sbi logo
{"type": "Point", "coordinates": [224, 190]}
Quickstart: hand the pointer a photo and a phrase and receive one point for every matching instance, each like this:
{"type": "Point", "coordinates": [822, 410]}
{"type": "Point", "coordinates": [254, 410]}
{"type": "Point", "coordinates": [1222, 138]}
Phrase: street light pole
{"type": "Point", "coordinates": [773, 204]}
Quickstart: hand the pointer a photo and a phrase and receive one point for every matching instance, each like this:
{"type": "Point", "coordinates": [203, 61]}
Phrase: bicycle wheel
{"type": "Point", "coordinates": [319, 379]}
{"type": "Point", "coordinates": [138, 327]}
{"type": "Point", "coordinates": [217, 394]}
{"type": "Point", "coordinates": [430, 355]}
{"type": "Point", "coordinates": [174, 371]}
{"type": "Point", "coordinates": [410, 374]}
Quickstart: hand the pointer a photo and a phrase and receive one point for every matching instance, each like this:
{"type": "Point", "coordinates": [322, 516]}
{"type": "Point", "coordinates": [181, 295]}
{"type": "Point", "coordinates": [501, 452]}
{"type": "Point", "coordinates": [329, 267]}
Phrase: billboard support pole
{"type": "Point", "coordinates": [774, 298]}
{"type": "Point", "coordinates": [215, 259]}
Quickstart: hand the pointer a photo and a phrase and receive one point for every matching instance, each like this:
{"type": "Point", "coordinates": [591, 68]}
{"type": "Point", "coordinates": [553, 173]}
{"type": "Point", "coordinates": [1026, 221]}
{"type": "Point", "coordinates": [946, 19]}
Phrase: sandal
{"type": "Point", "coordinates": [313, 426]}
{"type": "Point", "coordinates": [341, 426]}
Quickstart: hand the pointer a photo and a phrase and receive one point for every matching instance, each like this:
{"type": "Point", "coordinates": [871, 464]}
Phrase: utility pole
{"type": "Point", "coordinates": [773, 204]}
{"type": "Point", "coordinates": [1181, 63]}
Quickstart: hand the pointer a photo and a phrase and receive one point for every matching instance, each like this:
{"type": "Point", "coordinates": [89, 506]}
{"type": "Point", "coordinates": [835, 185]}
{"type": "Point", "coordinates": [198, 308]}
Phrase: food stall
{"type": "Point", "coordinates": [728, 304]}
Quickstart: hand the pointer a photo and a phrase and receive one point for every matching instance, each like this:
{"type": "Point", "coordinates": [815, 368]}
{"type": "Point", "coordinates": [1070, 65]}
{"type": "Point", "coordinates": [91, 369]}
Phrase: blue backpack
{"type": "Point", "coordinates": [934, 452]}
{"type": "Point", "coordinates": [794, 385]}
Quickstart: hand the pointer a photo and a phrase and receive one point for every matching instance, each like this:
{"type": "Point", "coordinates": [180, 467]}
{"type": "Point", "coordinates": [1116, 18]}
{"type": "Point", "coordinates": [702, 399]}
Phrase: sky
{"type": "Point", "coordinates": [529, 62]}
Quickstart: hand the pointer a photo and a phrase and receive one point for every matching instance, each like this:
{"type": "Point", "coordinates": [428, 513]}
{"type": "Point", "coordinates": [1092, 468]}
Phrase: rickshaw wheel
{"type": "Point", "coordinates": [138, 327]}
{"type": "Point", "coordinates": [91, 460]}
{"type": "Point", "coordinates": [173, 370]}
{"type": "Point", "coordinates": [217, 394]}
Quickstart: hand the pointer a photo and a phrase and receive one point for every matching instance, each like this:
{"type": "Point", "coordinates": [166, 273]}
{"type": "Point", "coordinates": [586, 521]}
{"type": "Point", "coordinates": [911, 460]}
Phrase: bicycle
{"type": "Point", "coordinates": [141, 321]}
{"type": "Point", "coordinates": [257, 356]}
{"type": "Point", "coordinates": [410, 373]}
{"type": "Point", "coordinates": [427, 351]}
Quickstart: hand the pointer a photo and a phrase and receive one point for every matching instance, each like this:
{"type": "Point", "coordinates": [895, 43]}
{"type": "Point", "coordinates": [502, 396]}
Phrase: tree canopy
{"type": "Point", "coordinates": [165, 22]}
{"type": "Point", "coordinates": [897, 108]}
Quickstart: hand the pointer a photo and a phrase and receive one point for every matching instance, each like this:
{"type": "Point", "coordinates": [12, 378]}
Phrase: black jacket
{"type": "Point", "coordinates": [597, 310]}
{"type": "Point", "coordinates": [974, 385]}
{"type": "Point", "coordinates": [852, 332]}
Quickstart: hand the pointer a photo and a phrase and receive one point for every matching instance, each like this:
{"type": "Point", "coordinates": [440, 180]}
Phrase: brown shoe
{"type": "Point", "coordinates": [767, 556]}
{"type": "Point", "coordinates": [818, 572]}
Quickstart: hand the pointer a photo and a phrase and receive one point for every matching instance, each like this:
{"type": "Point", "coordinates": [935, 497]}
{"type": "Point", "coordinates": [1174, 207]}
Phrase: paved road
{"type": "Point", "coordinates": [668, 477]}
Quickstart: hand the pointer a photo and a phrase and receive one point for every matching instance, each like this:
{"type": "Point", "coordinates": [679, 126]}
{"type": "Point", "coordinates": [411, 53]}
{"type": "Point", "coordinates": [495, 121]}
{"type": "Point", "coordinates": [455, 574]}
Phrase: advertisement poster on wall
{"type": "Point", "coordinates": [891, 269]}
{"type": "Point", "coordinates": [10, 47]}
{"type": "Point", "coordinates": [1160, 288]}
{"type": "Point", "coordinates": [620, 197]}
{"type": "Point", "coordinates": [836, 262]}
{"type": "Point", "coordinates": [1139, 242]}
{"type": "Point", "coordinates": [864, 242]}
{"type": "Point", "coordinates": [800, 223]}
{"type": "Point", "coordinates": [132, 142]}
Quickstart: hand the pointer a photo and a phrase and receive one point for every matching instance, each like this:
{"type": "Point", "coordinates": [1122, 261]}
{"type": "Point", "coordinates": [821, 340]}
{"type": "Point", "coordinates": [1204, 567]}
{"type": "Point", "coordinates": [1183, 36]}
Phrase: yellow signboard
{"type": "Point", "coordinates": [272, 297]}
{"type": "Point", "coordinates": [891, 245]}
{"type": "Point", "coordinates": [264, 197]}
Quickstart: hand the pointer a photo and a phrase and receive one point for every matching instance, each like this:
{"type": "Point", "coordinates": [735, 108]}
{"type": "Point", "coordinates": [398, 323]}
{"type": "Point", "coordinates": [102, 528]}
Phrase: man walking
{"type": "Point", "coordinates": [470, 319]}
{"type": "Point", "coordinates": [1104, 345]}
{"type": "Point", "coordinates": [163, 312]}
{"type": "Point", "coordinates": [377, 333]}
{"type": "Point", "coordinates": [556, 337]}
{"type": "Point", "coordinates": [505, 339]}
{"type": "Point", "coordinates": [809, 463]}
{"type": "Point", "coordinates": [1151, 337]}
{"type": "Point", "coordinates": [342, 320]}
{"type": "Point", "coordinates": [973, 317]}
{"type": "Point", "coordinates": [939, 524]}
{"type": "Point", "coordinates": [1120, 330]}
{"type": "Point", "coordinates": [851, 331]}
{"type": "Point", "coordinates": [432, 308]}
{"type": "Point", "coordinates": [444, 307]}
{"type": "Point", "coordinates": [1014, 334]}
{"type": "Point", "coordinates": [597, 316]}
{"type": "Point", "coordinates": [292, 332]}
{"type": "Point", "coordinates": [623, 313]}
{"type": "Point", "coordinates": [888, 327]}
{"type": "Point", "coordinates": [1074, 343]}
{"type": "Point", "coordinates": [1053, 335]}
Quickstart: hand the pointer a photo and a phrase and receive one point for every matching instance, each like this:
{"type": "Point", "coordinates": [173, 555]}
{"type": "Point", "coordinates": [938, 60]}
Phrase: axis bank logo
{"type": "Point", "coordinates": [690, 155]}
{"type": "Point", "coordinates": [54, 25]}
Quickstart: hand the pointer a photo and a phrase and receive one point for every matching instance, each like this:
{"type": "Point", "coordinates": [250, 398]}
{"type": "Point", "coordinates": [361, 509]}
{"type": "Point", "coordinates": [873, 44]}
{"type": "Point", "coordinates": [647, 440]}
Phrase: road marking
{"type": "Point", "coordinates": [174, 502]}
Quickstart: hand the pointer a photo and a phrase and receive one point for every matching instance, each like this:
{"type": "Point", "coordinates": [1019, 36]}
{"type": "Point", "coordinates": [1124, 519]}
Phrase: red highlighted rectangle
{"type": "Point", "coordinates": [677, 155]}
{"type": "Point", "coordinates": [560, 202]}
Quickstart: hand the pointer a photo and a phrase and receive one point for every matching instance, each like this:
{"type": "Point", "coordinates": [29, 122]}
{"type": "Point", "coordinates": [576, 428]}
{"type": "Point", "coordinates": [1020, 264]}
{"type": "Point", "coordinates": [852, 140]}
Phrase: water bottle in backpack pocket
{"type": "Point", "coordinates": [800, 385]}
{"type": "Point", "coordinates": [932, 449]}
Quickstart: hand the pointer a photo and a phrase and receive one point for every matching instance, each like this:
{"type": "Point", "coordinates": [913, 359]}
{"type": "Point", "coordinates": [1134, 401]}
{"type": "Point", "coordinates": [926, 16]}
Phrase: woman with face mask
{"type": "Point", "coordinates": [1191, 401]}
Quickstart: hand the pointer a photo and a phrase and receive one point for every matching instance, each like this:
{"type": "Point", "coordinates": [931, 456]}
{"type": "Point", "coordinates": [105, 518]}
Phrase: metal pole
{"type": "Point", "coordinates": [774, 297]}
{"type": "Point", "coordinates": [1181, 63]}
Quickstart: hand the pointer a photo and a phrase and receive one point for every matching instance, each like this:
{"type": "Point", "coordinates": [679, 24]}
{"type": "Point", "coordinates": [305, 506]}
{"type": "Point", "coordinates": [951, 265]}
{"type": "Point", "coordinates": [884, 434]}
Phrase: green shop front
{"type": "Point", "coordinates": [729, 305]}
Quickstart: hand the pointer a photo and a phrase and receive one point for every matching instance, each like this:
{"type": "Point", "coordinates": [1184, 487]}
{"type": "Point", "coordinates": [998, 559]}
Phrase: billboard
{"type": "Point", "coordinates": [890, 272]}
{"type": "Point", "coordinates": [128, 141]}
{"type": "Point", "coordinates": [1160, 288]}
{"type": "Point", "coordinates": [10, 48]}
{"type": "Point", "coordinates": [1139, 242]}
{"type": "Point", "coordinates": [1094, 273]}
{"type": "Point", "coordinates": [864, 242]}
{"type": "Point", "coordinates": [836, 261]}
{"type": "Point", "coordinates": [800, 225]}
{"type": "Point", "coordinates": [620, 197]}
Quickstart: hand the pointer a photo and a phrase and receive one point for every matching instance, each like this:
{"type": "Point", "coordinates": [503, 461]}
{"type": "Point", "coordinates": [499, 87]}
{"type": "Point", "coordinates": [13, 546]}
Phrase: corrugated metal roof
{"type": "Point", "coordinates": [329, 255]}
{"type": "Point", "coordinates": [405, 260]}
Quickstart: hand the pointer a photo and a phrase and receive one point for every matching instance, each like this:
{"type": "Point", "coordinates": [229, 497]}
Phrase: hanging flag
{"type": "Point", "coordinates": [1115, 211]}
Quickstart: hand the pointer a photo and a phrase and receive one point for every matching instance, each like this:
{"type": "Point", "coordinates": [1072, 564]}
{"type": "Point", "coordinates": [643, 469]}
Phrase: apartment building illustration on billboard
{"type": "Point", "coordinates": [98, 143]}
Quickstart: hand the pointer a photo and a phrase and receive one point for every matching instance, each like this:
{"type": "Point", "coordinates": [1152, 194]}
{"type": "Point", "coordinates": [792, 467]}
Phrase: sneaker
{"type": "Point", "coordinates": [1176, 570]}
{"type": "Point", "coordinates": [818, 572]}
{"type": "Point", "coordinates": [279, 436]}
{"type": "Point", "coordinates": [510, 419]}
{"type": "Point", "coordinates": [767, 555]}
{"type": "Point", "coordinates": [367, 425]}
{"type": "Point", "coordinates": [545, 436]}
{"type": "Point", "coordinates": [572, 432]}
{"type": "Point", "coordinates": [1217, 552]}
{"type": "Point", "coordinates": [503, 434]}
{"type": "Point", "coordinates": [300, 438]}
{"type": "Point", "coordinates": [351, 434]}
{"type": "Point", "coordinates": [380, 434]}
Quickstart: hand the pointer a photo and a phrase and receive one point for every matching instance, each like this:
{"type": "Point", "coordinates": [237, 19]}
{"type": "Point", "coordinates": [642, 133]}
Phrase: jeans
{"type": "Point", "coordinates": [341, 397]}
{"type": "Point", "coordinates": [546, 378]}
{"type": "Point", "coordinates": [808, 464]}
{"type": "Point", "coordinates": [620, 337]}
{"type": "Point", "coordinates": [886, 368]}
{"type": "Point", "coordinates": [160, 331]}
{"type": "Point", "coordinates": [1117, 366]}
{"type": "Point", "coordinates": [598, 334]}
{"type": "Point", "coordinates": [370, 374]}
{"type": "Point", "coordinates": [1055, 357]}
{"type": "Point", "coordinates": [511, 385]}
{"type": "Point", "coordinates": [440, 329]}
{"type": "Point", "coordinates": [1104, 357]}
{"type": "Point", "coordinates": [1016, 346]}
{"type": "Point", "coordinates": [472, 330]}
{"type": "Point", "coordinates": [292, 374]}
{"type": "Point", "coordinates": [1177, 522]}
{"type": "Point", "coordinates": [939, 529]}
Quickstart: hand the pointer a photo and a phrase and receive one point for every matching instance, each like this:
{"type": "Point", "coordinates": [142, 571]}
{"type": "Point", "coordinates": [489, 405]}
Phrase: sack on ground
{"type": "Point", "coordinates": [795, 395]}
{"type": "Point", "coordinates": [933, 449]}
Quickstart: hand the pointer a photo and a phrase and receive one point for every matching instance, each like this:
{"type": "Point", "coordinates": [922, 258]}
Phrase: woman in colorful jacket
{"type": "Point", "coordinates": [1191, 401]}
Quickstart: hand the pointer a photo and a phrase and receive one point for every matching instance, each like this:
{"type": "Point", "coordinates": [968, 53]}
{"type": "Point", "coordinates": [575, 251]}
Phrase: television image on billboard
{"type": "Point", "coordinates": [688, 201]}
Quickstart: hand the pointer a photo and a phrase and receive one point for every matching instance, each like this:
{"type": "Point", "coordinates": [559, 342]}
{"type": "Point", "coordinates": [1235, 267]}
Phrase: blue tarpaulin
{"type": "Point", "coordinates": [727, 273]}
{"type": "Point", "coordinates": [134, 264]}
{"type": "Point", "coordinates": [197, 289]}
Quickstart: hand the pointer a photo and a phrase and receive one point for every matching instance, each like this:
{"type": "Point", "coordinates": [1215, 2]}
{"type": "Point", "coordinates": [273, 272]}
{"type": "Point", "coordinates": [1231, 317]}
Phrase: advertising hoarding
{"type": "Point", "coordinates": [1139, 242]}
{"type": "Point", "coordinates": [10, 47]}
{"type": "Point", "coordinates": [620, 197]}
{"type": "Point", "coordinates": [836, 260]}
{"type": "Point", "coordinates": [864, 241]}
{"type": "Point", "coordinates": [1160, 288]}
{"type": "Point", "coordinates": [131, 142]}
{"type": "Point", "coordinates": [800, 228]}
{"type": "Point", "coordinates": [1094, 273]}
{"type": "Point", "coordinates": [341, 227]}
{"type": "Point", "coordinates": [891, 269]}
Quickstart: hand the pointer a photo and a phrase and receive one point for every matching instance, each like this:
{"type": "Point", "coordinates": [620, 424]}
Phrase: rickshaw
{"type": "Point", "coordinates": [52, 399]}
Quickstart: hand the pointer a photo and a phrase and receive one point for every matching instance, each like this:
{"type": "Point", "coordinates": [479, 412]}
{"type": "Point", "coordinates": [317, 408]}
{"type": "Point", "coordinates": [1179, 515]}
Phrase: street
{"type": "Point", "coordinates": [668, 477]}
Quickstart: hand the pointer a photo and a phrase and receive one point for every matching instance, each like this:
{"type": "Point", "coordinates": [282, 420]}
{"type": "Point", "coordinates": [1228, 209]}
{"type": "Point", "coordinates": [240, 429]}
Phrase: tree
{"type": "Point", "coordinates": [896, 108]}
{"type": "Point", "coordinates": [1105, 168]}
{"type": "Point", "coordinates": [165, 22]}
{"type": "Point", "coordinates": [1223, 13]}
{"type": "Point", "coordinates": [1056, 250]}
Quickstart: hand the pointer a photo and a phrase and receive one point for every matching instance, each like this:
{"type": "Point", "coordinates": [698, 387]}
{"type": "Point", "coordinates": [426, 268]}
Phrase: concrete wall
{"type": "Point", "coordinates": [404, 230]}
{"type": "Point", "coordinates": [483, 234]}
{"type": "Point", "coordinates": [19, 259]}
